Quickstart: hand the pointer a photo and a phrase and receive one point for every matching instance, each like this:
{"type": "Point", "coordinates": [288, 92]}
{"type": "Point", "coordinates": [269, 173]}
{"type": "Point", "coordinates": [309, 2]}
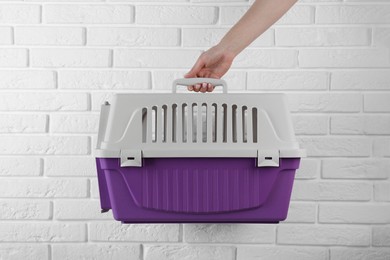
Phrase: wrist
{"type": "Point", "coordinates": [229, 51]}
{"type": "Point", "coordinates": [229, 48]}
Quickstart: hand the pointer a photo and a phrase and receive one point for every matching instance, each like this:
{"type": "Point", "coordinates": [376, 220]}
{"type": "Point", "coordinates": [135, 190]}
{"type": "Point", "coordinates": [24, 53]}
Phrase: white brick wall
{"type": "Point", "coordinates": [60, 59]}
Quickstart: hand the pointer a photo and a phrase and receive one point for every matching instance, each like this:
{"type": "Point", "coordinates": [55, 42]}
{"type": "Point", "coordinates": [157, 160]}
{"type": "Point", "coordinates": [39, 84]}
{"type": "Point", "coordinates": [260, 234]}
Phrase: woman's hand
{"type": "Point", "coordinates": [213, 63]}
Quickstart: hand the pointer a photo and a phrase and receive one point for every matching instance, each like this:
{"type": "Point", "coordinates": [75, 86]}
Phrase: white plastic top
{"type": "Point", "coordinates": [197, 125]}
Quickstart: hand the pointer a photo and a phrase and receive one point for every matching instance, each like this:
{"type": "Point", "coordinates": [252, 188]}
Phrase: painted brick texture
{"type": "Point", "coordinates": [61, 59]}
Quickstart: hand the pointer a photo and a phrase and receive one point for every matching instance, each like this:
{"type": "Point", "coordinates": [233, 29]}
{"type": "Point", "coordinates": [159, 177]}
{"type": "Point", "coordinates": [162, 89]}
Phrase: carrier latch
{"type": "Point", "coordinates": [267, 158]}
{"type": "Point", "coordinates": [131, 158]}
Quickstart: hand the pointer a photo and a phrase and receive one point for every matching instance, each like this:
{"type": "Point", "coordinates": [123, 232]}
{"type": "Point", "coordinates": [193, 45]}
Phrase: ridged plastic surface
{"type": "Point", "coordinates": [196, 190]}
{"type": "Point", "coordinates": [201, 190]}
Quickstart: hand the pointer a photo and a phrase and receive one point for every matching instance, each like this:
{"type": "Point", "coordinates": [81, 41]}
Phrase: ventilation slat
{"type": "Point", "coordinates": [179, 124]}
{"type": "Point", "coordinates": [219, 125]}
{"type": "Point", "coordinates": [209, 124]}
{"type": "Point", "coordinates": [199, 129]}
{"type": "Point", "coordinates": [174, 123]}
{"type": "Point", "coordinates": [190, 115]}
{"type": "Point", "coordinates": [202, 123]}
{"type": "Point", "coordinates": [249, 129]}
{"type": "Point", "coordinates": [239, 125]}
{"type": "Point", "coordinates": [168, 124]}
{"type": "Point", "coordinates": [159, 127]}
{"type": "Point", "coordinates": [229, 124]}
{"type": "Point", "coordinates": [149, 126]}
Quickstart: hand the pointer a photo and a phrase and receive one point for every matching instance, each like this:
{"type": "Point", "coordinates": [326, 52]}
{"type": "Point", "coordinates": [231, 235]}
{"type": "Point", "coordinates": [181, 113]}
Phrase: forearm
{"type": "Point", "coordinates": [260, 16]}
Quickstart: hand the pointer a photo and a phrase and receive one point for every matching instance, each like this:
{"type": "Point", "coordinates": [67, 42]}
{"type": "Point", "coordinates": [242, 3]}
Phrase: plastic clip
{"type": "Point", "coordinates": [131, 158]}
{"type": "Point", "coordinates": [268, 158]}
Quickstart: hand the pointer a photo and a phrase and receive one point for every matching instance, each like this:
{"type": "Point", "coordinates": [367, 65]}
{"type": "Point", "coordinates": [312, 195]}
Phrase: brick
{"type": "Point", "coordinates": [20, 166]}
{"type": "Point", "coordinates": [162, 79]}
{"type": "Point", "coordinates": [310, 125]}
{"type": "Point", "coordinates": [324, 102]}
{"type": "Point", "coordinates": [95, 79]}
{"type": "Point", "coordinates": [79, 210]}
{"type": "Point", "coordinates": [343, 58]}
{"type": "Point", "coordinates": [331, 36]}
{"type": "Point", "coordinates": [11, 123]}
{"type": "Point", "coordinates": [43, 188]}
{"type": "Point", "coordinates": [323, 235]}
{"type": "Point", "coordinates": [281, 252]}
{"type": "Point", "coordinates": [216, 1]}
{"type": "Point", "coordinates": [24, 251]}
{"type": "Point", "coordinates": [352, 14]}
{"type": "Point", "coordinates": [96, 251]}
{"type": "Point", "coordinates": [71, 58]}
{"type": "Point", "coordinates": [287, 80]}
{"type": "Point", "coordinates": [155, 58]}
{"type": "Point", "coordinates": [382, 191]}
{"type": "Point", "coordinates": [94, 188]}
{"type": "Point", "coordinates": [226, 233]}
{"type": "Point", "coordinates": [381, 37]}
{"type": "Point", "coordinates": [93, 142]}
{"type": "Point", "coordinates": [98, 98]}
{"type": "Point", "coordinates": [377, 102]}
{"type": "Point", "coordinates": [150, 1]}
{"type": "Point", "coordinates": [381, 236]}
{"type": "Point", "coordinates": [206, 37]}
{"type": "Point", "coordinates": [27, 79]}
{"type": "Point", "coordinates": [49, 35]}
{"type": "Point", "coordinates": [20, 13]}
{"type": "Point", "coordinates": [360, 80]}
{"type": "Point", "coordinates": [188, 252]}
{"type": "Point", "coordinates": [10, 58]}
{"type": "Point", "coordinates": [43, 101]}
{"type": "Point", "coordinates": [131, 36]}
{"type": "Point", "coordinates": [236, 80]}
{"type": "Point", "coordinates": [88, 14]}
{"type": "Point", "coordinates": [6, 35]}
{"type": "Point", "coordinates": [361, 125]}
{"type": "Point", "coordinates": [298, 14]}
{"type": "Point", "coordinates": [331, 191]}
{"type": "Point", "coordinates": [176, 15]}
{"type": "Point", "coordinates": [266, 59]}
{"type": "Point", "coordinates": [74, 123]}
{"type": "Point", "coordinates": [299, 212]}
{"type": "Point", "coordinates": [381, 147]}
{"type": "Point", "coordinates": [74, 166]}
{"type": "Point", "coordinates": [24, 210]}
{"type": "Point", "coordinates": [42, 232]}
{"type": "Point", "coordinates": [354, 214]}
{"type": "Point", "coordinates": [359, 253]}
{"type": "Point", "coordinates": [109, 231]}
{"type": "Point", "coordinates": [45, 145]}
{"type": "Point", "coordinates": [308, 169]}
{"type": "Point", "coordinates": [373, 168]}
{"type": "Point", "coordinates": [333, 146]}
{"type": "Point", "coordinates": [320, 1]}
{"type": "Point", "coordinates": [63, 1]}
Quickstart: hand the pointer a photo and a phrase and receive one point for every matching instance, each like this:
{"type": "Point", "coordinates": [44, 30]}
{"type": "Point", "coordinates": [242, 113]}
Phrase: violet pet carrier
{"type": "Point", "coordinates": [196, 158]}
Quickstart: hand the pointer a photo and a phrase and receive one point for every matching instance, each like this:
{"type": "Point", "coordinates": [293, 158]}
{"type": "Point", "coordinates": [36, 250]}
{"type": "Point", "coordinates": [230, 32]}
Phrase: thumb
{"type": "Point", "coordinates": [195, 69]}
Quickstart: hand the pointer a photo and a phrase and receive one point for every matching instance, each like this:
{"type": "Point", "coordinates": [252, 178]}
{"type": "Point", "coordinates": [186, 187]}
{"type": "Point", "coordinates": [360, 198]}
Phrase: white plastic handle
{"type": "Point", "coordinates": [193, 81]}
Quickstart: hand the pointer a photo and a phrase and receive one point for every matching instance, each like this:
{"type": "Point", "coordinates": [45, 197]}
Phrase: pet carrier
{"type": "Point", "coordinates": [193, 158]}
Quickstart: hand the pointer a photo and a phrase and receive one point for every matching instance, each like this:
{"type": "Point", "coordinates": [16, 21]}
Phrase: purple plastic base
{"type": "Point", "coordinates": [196, 190]}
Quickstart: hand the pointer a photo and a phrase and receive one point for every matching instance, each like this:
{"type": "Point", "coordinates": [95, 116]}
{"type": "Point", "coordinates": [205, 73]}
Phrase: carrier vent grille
{"type": "Point", "coordinates": [199, 123]}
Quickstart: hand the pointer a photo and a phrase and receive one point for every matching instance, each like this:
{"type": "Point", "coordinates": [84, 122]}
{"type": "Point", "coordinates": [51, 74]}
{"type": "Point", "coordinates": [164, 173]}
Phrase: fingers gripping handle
{"type": "Point", "coordinates": [193, 81]}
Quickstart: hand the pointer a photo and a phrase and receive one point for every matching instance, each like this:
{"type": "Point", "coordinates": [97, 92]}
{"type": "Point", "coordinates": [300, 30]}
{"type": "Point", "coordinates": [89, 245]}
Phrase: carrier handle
{"type": "Point", "coordinates": [193, 81]}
